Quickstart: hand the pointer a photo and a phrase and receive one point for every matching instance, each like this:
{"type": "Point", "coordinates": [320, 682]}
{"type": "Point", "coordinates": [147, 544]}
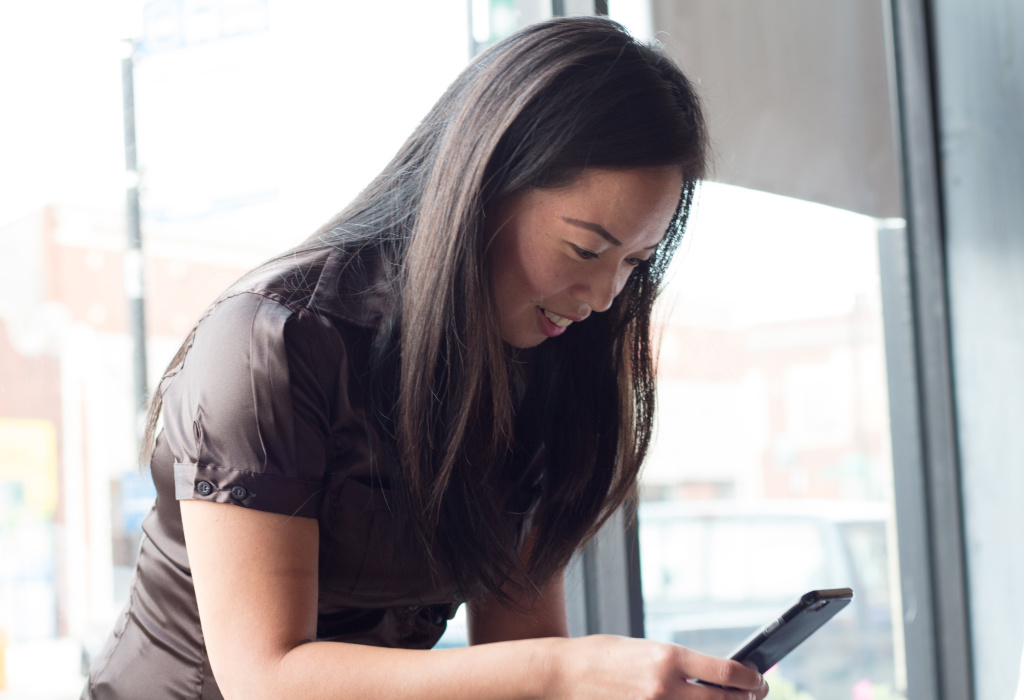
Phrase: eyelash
{"type": "Point", "coordinates": [591, 255]}
{"type": "Point", "coordinates": [584, 253]}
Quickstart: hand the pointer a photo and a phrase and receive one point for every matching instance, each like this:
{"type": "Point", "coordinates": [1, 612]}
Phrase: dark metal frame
{"type": "Point", "coordinates": [603, 593]}
{"type": "Point", "coordinates": [929, 508]}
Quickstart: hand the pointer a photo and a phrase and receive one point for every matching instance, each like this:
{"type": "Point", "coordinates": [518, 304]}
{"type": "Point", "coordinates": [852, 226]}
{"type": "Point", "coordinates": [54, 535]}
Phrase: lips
{"type": "Point", "coordinates": [552, 324]}
{"type": "Point", "coordinates": [560, 321]}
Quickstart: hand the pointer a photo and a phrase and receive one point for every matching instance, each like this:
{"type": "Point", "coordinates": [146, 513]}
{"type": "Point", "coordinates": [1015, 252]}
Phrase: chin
{"type": "Point", "coordinates": [524, 338]}
{"type": "Point", "coordinates": [525, 343]}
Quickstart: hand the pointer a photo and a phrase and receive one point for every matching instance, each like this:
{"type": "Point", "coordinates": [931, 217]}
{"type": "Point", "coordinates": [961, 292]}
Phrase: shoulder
{"type": "Point", "coordinates": [252, 328]}
{"type": "Point", "coordinates": [349, 287]}
{"type": "Point", "coordinates": [309, 299]}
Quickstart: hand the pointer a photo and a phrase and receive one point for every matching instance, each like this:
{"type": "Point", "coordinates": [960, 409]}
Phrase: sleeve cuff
{"type": "Point", "coordinates": [266, 492]}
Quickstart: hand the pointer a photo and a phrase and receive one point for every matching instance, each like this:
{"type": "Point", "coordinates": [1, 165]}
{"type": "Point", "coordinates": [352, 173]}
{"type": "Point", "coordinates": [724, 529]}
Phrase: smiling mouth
{"type": "Point", "coordinates": [560, 321]}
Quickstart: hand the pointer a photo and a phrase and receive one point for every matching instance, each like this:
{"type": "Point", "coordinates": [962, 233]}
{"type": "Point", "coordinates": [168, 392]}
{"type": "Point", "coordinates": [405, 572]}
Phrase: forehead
{"type": "Point", "coordinates": [634, 205]}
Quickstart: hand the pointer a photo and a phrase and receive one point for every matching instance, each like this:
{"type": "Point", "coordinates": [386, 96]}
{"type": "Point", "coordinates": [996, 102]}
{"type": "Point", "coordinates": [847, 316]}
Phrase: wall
{"type": "Point", "coordinates": [979, 70]}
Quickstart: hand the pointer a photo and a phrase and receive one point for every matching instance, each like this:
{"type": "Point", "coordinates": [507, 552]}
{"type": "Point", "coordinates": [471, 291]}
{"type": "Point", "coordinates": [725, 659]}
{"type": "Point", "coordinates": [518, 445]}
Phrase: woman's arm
{"type": "Point", "coordinates": [255, 575]}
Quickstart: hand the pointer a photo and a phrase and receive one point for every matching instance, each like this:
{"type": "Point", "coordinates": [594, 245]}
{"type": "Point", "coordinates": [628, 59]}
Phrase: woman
{"type": "Point", "coordinates": [436, 399]}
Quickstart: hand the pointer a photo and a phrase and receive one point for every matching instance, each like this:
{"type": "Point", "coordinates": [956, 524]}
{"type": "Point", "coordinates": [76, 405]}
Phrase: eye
{"type": "Point", "coordinates": [584, 253]}
{"type": "Point", "coordinates": [639, 262]}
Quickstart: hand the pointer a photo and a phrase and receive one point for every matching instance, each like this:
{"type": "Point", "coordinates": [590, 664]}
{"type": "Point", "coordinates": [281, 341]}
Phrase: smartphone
{"type": "Point", "coordinates": [771, 643]}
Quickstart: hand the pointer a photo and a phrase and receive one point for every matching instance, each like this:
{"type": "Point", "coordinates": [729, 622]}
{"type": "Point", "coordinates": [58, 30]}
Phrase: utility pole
{"type": "Point", "coordinates": [133, 267]}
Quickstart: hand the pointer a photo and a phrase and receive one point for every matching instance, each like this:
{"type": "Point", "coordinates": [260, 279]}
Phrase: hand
{"type": "Point", "coordinates": [619, 668]}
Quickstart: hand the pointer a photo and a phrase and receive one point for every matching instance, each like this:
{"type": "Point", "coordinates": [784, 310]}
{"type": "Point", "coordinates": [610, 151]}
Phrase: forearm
{"type": "Point", "coordinates": [598, 667]}
{"type": "Point", "coordinates": [338, 671]}
{"type": "Point", "coordinates": [256, 587]}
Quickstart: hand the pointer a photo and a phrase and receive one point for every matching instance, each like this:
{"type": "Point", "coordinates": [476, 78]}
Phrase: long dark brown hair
{"type": "Point", "coordinates": [462, 413]}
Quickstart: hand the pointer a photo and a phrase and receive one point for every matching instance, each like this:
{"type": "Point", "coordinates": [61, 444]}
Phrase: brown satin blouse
{"type": "Point", "coordinates": [268, 411]}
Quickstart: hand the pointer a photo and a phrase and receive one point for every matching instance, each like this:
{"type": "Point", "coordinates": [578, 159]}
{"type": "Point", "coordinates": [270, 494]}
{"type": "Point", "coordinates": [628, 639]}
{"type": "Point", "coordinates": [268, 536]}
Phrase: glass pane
{"type": "Point", "coordinates": [256, 122]}
{"type": "Point", "coordinates": [771, 472]}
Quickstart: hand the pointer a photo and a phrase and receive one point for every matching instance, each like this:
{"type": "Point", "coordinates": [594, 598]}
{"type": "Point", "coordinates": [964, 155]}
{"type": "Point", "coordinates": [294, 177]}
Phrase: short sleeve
{"type": "Point", "coordinates": [247, 415]}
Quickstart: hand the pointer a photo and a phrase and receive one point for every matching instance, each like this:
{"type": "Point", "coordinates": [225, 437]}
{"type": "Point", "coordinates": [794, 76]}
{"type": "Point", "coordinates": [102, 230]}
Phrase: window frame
{"type": "Point", "coordinates": [927, 486]}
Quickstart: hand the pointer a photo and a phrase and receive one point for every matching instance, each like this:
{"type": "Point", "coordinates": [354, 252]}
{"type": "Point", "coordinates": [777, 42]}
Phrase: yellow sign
{"type": "Point", "coordinates": [28, 465]}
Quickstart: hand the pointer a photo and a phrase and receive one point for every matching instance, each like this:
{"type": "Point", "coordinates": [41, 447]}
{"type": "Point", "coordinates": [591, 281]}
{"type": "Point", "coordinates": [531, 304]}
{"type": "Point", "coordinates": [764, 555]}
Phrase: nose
{"type": "Point", "coordinates": [599, 291]}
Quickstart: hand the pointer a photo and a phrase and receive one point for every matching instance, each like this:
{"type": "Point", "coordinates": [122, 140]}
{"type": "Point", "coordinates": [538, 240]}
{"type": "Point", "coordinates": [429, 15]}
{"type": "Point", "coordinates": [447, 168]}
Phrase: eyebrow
{"type": "Point", "coordinates": [600, 231]}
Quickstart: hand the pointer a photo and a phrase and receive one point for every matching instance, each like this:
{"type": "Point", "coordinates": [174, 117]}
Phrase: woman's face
{"type": "Point", "coordinates": [559, 254]}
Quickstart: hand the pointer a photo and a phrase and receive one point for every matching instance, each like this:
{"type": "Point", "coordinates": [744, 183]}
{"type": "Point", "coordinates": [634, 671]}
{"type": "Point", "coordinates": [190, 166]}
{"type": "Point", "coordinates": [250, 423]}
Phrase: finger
{"type": "Point", "coordinates": [703, 691]}
{"type": "Point", "coordinates": [763, 689]}
{"type": "Point", "coordinates": [720, 672]}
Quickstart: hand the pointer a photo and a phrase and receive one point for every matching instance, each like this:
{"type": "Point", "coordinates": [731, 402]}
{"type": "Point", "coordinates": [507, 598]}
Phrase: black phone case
{"type": "Point", "coordinates": [771, 643]}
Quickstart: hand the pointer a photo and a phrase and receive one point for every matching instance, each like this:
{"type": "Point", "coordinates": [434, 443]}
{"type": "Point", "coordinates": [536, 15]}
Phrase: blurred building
{"type": "Point", "coordinates": [71, 492]}
{"type": "Point", "coordinates": [772, 372]}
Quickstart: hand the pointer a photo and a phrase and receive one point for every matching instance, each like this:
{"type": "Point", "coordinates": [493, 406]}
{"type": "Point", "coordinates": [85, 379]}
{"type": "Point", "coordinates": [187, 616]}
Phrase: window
{"type": "Point", "coordinates": [771, 473]}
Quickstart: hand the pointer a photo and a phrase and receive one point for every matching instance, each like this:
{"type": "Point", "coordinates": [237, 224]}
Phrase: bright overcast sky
{"type": "Point", "coordinates": [350, 81]}
{"type": "Point", "coordinates": [60, 87]}
{"type": "Point", "coordinates": [61, 138]}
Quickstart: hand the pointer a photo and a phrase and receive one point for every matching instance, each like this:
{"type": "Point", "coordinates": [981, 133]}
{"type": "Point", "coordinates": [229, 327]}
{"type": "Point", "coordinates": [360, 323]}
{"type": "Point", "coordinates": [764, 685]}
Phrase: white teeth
{"type": "Point", "coordinates": [560, 321]}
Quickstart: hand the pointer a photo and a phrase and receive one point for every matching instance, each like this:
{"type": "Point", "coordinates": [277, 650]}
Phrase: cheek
{"type": "Point", "coordinates": [544, 277]}
{"type": "Point", "coordinates": [513, 284]}
{"type": "Point", "coordinates": [532, 271]}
